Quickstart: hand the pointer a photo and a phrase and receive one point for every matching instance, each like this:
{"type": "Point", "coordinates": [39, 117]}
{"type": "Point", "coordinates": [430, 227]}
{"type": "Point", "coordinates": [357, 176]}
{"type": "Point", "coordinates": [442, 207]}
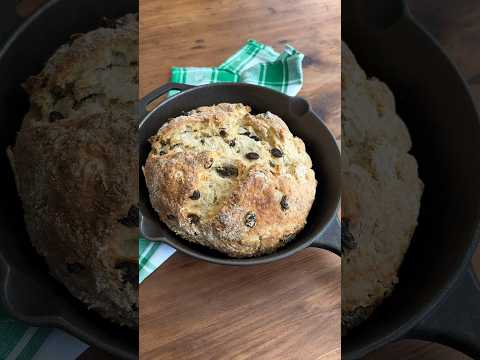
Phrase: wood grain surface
{"type": "Point", "coordinates": [287, 310]}
{"type": "Point", "coordinates": [205, 33]}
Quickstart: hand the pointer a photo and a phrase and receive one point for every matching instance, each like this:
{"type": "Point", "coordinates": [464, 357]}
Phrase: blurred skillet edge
{"type": "Point", "coordinates": [28, 292]}
{"type": "Point", "coordinates": [444, 125]}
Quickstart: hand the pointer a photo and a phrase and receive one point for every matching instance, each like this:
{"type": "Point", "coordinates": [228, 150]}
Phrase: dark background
{"type": "Point", "coordinates": [456, 26]}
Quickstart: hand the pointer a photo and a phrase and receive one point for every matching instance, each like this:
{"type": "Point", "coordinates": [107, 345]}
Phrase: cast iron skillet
{"type": "Point", "coordinates": [302, 121]}
{"type": "Point", "coordinates": [438, 297]}
{"type": "Point", "coordinates": [27, 291]}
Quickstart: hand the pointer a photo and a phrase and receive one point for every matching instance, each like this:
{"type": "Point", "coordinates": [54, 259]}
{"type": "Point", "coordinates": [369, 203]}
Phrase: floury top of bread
{"type": "Point", "coordinates": [238, 183]}
{"type": "Point", "coordinates": [381, 192]}
{"type": "Point", "coordinates": [96, 73]}
{"type": "Point", "coordinates": [80, 201]}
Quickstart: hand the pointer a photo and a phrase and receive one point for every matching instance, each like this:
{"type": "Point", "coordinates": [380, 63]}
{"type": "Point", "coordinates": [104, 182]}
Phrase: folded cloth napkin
{"type": "Point", "coordinates": [254, 63]}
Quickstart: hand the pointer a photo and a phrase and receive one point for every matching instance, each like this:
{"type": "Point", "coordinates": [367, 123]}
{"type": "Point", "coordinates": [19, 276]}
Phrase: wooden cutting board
{"type": "Point", "coordinates": [287, 310]}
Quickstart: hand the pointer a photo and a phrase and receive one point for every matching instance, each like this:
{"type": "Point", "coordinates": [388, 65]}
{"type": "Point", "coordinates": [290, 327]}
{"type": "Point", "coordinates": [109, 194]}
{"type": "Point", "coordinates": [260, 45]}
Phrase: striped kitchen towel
{"type": "Point", "coordinates": [254, 63]}
{"type": "Point", "coordinates": [19, 341]}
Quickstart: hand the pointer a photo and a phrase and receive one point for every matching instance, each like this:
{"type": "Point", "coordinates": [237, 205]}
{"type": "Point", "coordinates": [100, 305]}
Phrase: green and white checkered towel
{"type": "Point", "coordinates": [18, 340]}
{"type": "Point", "coordinates": [254, 63]}
{"type": "Point", "coordinates": [24, 342]}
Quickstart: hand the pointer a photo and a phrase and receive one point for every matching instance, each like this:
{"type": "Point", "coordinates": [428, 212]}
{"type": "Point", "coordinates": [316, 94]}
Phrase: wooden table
{"type": "Point", "coordinates": [287, 310]}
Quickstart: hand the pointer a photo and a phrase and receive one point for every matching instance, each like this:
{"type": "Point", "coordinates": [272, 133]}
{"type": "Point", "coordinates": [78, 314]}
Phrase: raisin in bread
{"type": "Point", "coordinates": [381, 192]}
{"type": "Point", "coordinates": [235, 182]}
{"type": "Point", "coordinates": [75, 161]}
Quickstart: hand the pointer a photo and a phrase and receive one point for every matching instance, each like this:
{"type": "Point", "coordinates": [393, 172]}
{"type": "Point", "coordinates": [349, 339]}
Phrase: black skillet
{"type": "Point", "coordinates": [322, 229]}
{"type": "Point", "coordinates": [27, 291]}
{"type": "Point", "coordinates": [438, 297]}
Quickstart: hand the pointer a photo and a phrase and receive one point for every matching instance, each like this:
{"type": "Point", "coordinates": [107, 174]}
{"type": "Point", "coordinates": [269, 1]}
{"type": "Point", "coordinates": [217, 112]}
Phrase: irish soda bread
{"type": "Point", "coordinates": [75, 160]}
{"type": "Point", "coordinates": [381, 192]}
{"type": "Point", "coordinates": [238, 183]}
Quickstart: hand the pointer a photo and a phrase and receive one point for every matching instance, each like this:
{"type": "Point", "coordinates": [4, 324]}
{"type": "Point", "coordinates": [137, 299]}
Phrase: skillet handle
{"type": "Point", "coordinates": [331, 238]}
{"type": "Point", "coordinates": [32, 302]}
{"type": "Point", "coordinates": [155, 94]}
{"type": "Point", "coordinates": [151, 230]}
{"type": "Point", "coordinates": [456, 321]}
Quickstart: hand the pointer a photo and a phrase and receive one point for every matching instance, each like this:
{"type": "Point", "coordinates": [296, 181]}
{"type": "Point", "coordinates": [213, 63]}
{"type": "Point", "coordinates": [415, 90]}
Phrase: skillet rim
{"type": "Point", "coordinates": [267, 258]}
{"type": "Point", "coordinates": [452, 279]}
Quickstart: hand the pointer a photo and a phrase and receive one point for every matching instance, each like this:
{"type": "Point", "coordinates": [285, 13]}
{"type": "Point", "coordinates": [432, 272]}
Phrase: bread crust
{"type": "Point", "coordinates": [96, 72]}
{"type": "Point", "coordinates": [225, 154]}
{"type": "Point", "coordinates": [75, 161]}
{"type": "Point", "coordinates": [381, 192]}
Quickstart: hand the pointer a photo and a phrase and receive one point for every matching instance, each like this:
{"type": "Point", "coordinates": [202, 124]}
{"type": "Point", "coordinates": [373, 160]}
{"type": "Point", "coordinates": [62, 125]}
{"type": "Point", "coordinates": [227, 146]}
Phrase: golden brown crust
{"type": "Point", "coordinates": [239, 206]}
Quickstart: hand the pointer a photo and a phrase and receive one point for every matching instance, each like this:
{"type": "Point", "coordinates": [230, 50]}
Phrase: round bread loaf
{"type": "Point", "coordinates": [238, 183]}
{"type": "Point", "coordinates": [75, 161]}
{"type": "Point", "coordinates": [381, 192]}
